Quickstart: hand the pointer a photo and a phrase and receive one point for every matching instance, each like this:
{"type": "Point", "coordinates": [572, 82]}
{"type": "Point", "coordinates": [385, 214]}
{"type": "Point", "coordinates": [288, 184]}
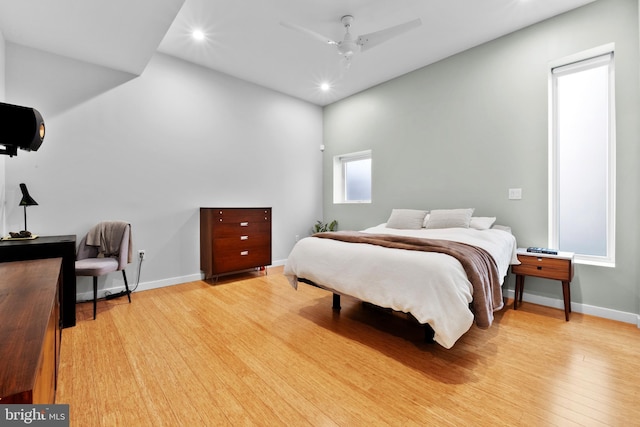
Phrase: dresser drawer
{"type": "Point", "coordinates": [241, 215]}
{"type": "Point", "coordinates": [244, 242]}
{"type": "Point", "coordinates": [549, 268]}
{"type": "Point", "coordinates": [241, 259]}
{"type": "Point", "coordinates": [241, 228]}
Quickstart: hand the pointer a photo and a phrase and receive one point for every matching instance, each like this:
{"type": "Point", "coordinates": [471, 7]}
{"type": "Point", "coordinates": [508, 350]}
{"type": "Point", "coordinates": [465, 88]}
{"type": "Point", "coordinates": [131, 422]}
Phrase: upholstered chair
{"type": "Point", "coordinates": [105, 249]}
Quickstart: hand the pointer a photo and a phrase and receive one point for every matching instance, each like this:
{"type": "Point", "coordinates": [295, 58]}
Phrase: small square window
{"type": "Point", "coordinates": [352, 178]}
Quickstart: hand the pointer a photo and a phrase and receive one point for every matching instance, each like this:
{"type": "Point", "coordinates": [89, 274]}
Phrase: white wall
{"type": "Point", "coordinates": [2, 67]}
{"type": "Point", "coordinates": [153, 149]}
{"type": "Point", "coordinates": [461, 132]}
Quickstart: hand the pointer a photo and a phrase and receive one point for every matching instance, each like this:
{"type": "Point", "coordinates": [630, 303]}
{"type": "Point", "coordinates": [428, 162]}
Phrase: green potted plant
{"type": "Point", "coordinates": [320, 226]}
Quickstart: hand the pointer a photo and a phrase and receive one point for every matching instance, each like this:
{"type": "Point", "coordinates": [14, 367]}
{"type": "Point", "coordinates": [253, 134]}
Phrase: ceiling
{"type": "Point", "coordinates": [244, 38]}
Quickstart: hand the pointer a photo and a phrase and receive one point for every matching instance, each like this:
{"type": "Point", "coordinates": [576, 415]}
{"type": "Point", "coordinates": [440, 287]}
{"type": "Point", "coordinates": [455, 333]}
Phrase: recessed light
{"type": "Point", "coordinates": [325, 87]}
{"type": "Point", "coordinates": [198, 34]}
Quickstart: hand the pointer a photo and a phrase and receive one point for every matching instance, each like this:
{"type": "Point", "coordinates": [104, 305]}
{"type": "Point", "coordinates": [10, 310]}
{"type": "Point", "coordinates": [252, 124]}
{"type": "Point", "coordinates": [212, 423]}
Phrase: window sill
{"type": "Point", "coordinates": [597, 263]}
{"type": "Point", "coordinates": [353, 202]}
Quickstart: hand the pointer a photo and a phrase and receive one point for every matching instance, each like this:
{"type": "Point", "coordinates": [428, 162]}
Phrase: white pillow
{"type": "Point", "coordinates": [482, 222]}
{"type": "Point", "coordinates": [449, 218]}
{"type": "Point", "coordinates": [410, 219]}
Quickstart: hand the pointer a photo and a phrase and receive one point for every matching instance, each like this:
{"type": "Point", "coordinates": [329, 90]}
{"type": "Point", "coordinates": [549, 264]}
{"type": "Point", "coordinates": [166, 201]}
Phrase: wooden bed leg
{"type": "Point", "coordinates": [429, 333]}
{"type": "Point", "coordinates": [336, 302]}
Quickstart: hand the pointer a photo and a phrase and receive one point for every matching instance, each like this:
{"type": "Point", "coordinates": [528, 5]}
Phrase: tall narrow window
{"type": "Point", "coordinates": [582, 159]}
{"type": "Point", "coordinates": [352, 178]}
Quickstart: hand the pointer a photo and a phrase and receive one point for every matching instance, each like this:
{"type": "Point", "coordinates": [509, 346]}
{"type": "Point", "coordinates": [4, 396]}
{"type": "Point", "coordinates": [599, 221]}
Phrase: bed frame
{"type": "Point", "coordinates": [428, 330]}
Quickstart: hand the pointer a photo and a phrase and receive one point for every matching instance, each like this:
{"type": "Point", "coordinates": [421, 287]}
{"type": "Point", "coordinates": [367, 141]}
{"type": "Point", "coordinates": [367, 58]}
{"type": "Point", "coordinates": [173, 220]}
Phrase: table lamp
{"type": "Point", "coordinates": [27, 200]}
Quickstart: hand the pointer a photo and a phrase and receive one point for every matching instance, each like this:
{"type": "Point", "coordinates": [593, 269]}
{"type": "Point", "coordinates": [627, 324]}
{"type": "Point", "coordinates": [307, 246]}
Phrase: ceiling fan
{"type": "Point", "coordinates": [351, 44]}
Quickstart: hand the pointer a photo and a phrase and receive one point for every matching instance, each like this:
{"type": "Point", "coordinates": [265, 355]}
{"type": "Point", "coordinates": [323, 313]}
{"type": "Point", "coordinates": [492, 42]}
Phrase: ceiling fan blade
{"type": "Point", "coordinates": [367, 41]}
{"type": "Point", "coordinates": [308, 32]}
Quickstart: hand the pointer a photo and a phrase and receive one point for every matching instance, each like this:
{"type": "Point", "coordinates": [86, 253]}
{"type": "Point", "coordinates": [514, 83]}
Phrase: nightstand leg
{"type": "Point", "coordinates": [521, 289]}
{"type": "Point", "coordinates": [518, 291]}
{"type": "Point", "coordinates": [566, 294]}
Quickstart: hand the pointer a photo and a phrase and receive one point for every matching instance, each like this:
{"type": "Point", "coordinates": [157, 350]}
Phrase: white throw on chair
{"type": "Point", "coordinates": [106, 248]}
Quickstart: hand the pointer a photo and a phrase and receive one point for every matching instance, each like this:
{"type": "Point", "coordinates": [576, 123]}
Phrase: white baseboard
{"type": "Point", "coordinates": [279, 263]}
{"type": "Point", "coordinates": [145, 286]}
{"type": "Point", "coordinates": [591, 310]}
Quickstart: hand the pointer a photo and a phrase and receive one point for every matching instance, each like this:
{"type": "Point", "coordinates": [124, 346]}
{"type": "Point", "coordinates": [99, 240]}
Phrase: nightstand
{"type": "Point", "coordinates": [554, 267]}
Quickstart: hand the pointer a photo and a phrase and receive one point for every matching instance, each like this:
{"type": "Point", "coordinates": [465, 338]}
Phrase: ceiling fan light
{"type": "Point", "coordinates": [347, 48]}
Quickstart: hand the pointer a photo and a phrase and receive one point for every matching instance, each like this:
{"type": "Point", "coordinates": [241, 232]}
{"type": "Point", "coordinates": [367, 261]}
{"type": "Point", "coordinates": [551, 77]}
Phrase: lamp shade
{"type": "Point", "coordinates": [27, 200]}
{"type": "Point", "coordinates": [20, 127]}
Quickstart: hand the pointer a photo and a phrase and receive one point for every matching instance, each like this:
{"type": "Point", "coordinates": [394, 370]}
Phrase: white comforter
{"type": "Point", "coordinates": [433, 287]}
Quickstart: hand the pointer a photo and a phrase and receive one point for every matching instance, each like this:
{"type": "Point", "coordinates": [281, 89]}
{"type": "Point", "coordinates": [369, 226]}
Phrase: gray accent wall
{"type": "Point", "coordinates": [461, 132]}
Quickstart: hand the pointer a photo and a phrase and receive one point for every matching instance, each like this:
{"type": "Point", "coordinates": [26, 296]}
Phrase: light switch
{"type": "Point", "coordinates": [515, 193]}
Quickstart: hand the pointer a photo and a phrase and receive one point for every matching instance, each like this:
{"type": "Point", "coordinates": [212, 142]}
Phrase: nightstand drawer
{"type": "Point", "coordinates": [550, 268]}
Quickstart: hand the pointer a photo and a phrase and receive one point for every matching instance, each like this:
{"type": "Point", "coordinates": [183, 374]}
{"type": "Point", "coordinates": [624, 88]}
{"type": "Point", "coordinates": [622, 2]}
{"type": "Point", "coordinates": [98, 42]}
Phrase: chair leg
{"type": "Point", "coordinates": [126, 285]}
{"type": "Point", "coordinates": [95, 295]}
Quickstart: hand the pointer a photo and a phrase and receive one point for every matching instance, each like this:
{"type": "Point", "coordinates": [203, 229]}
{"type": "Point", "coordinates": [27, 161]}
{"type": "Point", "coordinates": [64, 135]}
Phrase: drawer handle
{"type": "Point", "coordinates": [244, 237]}
{"type": "Point", "coordinates": [243, 253]}
{"type": "Point", "coordinates": [244, 224]}
{"type": "Point", "coordinates": [539, 267]}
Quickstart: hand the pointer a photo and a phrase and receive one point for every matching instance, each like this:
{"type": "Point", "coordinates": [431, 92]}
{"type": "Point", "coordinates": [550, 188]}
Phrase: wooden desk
{"type": "Point", "coordinates": [547, 266]}
{"type": "Point", "coordinates": [29, 331]}
{"type": "Point", "coordinates": [50, 247]}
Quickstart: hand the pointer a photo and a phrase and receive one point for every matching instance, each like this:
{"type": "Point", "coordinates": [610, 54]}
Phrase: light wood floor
{"type": "Point", "coordinates": [251, 350]}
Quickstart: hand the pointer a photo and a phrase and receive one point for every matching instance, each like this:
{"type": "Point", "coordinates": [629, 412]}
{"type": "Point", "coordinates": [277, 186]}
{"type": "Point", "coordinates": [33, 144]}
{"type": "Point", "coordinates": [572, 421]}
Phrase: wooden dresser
{"type": "Point", "coordinates": [234, 239]}
{"type": "Point", "coordinates": [29, 331]}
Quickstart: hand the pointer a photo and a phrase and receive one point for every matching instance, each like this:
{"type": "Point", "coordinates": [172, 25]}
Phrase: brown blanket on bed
{"type": "Point", "coordinates": [479, 265]}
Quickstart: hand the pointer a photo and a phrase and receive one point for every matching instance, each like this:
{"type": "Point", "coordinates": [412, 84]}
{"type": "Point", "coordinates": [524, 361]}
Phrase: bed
{"type": "Point", "coordinates": [432, 286]}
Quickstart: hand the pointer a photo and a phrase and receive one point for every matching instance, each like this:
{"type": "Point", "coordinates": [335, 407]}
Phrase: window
{"type": "Point", "coordinates": [352, 178]}
{"type": "Point", "coordinates": [582, 158]}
